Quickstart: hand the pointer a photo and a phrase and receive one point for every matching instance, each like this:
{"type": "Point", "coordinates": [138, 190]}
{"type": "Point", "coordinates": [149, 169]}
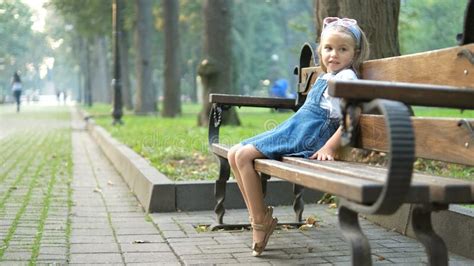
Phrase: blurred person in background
{"type": "Point", "coordinates": [16, 89]}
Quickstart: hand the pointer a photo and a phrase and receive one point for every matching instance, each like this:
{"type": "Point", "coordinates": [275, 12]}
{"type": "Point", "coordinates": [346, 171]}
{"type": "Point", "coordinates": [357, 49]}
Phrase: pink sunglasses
{"type": "Point", "coordinates": [347, 22]}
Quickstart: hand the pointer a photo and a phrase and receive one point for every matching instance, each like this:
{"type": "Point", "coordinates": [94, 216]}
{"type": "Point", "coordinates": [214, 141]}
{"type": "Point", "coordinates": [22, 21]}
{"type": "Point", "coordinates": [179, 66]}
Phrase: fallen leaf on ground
{"type": "Point", "coordinates": [202, 228]}
{"type": "Point", "coordinates": [311, 220]}
{"type": "Point", "coordinates": [140, 241]}
{"type": "Point", "coordinates": [305, 227]}
{"type": "Point", "coordinates": [286, 227]}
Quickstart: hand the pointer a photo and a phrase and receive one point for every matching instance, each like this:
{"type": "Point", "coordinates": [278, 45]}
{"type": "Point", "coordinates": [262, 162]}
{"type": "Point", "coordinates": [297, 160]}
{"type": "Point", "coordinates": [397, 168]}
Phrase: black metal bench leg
{"type": "Point", "coordinates": [434, 245]}
{"type": "Point", "coordinates": [349, 223]}
{"type": "Point", "coordinates": [264, 180]}
{"type": "Point", "coordinates": [298, 203]}
{"type": "Point", "coordinates": [220, 189]}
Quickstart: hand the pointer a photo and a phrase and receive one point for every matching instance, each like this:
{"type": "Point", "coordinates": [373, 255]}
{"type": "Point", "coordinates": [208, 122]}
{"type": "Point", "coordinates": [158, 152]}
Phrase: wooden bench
{"type": "Point", "coordinates": [377, 118]}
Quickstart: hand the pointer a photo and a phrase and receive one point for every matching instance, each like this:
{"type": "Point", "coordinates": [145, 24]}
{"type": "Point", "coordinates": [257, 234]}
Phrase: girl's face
{"type": "Point", "coordinates": [338, 50]}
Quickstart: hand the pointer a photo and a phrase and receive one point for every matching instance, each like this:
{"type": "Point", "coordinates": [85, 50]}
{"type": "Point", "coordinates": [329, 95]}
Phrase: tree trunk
{"type": "Point", "coordinates": [145, 101]}
{"type": "Point", "coordinates": [124, 62]}
{"type": "Point", "coordinates": [216, 67]}
{"type": "Point", "coordinates": [100, 75]}
{"type": "Point", "coordinates": [172, 75]}
{"type": "Point", "coordinates": [87, 74]}
{"type": "Point", "coordinates": [378, 19]}
{"type": "Point", "coordinates": [193, 72]}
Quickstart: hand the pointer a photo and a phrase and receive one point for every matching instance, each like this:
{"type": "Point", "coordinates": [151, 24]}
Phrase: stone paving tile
{"type": "Point", "coordinates": [141, 257]}
{"type": "Point", "coordinates": [52, 259]}
{"type": "Point", "coordinates": [92, 239]}
{"type": "Point", "coordinates": [96, 225]}
{"type": "Point", "coordinates": [94, 248]}
{"type": "Point", "coordinates": [11, 263]}
{"type": "Point", "coordinates": [140, 239]}
{"type": "Point", "coordinates": [94, 258]}
{"type": "Point", "coordinates": [58, 250]}
{"type": "Point", "coordinates": [106, 231]}
{"type": "Point", "coordinates": [145, 247]}
{"type": "Point", "coordinates": [17, 255]}
{"type": "Point", "coordinates": [187, 250]}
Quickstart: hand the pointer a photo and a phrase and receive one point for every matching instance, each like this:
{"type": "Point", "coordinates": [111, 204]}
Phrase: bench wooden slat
{"type": "Point", "coordinates": [409, 93]}
{"type": "Point", "coordinates": [440, 189]}
{"type": "Point", "coordinates": [220, 149]}
{"type": "Point", "coordinates": [438, 67]}
{"type": "Point", "coordinates": [436, 138]}
{"type": "Point", "coordinates": [239, 100]}
{"type": "Point", "coordinates": [355, 189]}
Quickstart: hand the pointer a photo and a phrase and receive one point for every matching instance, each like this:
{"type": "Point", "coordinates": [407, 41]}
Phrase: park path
{"type": "Point", "coordinates": [62, 202]}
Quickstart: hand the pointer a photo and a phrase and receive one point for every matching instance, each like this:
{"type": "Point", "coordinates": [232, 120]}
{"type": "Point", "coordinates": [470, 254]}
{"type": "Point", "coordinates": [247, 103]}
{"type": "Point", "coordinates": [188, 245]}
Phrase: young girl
{"type": "Point", "coordinates": [312, 132]}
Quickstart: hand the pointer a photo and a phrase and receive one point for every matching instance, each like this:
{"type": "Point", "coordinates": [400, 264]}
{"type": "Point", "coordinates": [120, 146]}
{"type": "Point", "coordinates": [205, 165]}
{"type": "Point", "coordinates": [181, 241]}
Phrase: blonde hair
{"type": "Point", "coordinates": [361, 49]}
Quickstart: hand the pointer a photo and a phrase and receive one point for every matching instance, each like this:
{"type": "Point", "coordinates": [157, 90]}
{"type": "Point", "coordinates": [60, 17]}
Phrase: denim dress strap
{"type": "Point", "coordinates": [321, 86]}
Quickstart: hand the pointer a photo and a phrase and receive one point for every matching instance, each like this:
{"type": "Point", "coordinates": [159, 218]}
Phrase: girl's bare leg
{"type": "Point", "coordinates": [233, 165]}
{"type": "Point", "coordinates": [252, 185]}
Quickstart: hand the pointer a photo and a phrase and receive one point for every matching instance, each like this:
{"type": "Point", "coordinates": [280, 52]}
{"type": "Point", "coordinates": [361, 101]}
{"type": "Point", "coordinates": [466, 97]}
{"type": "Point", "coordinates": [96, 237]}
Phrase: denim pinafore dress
{"type": "Point", "coordinates": [302, 134]}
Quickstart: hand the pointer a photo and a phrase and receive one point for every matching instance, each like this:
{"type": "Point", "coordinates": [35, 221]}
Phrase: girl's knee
{"type": "Point", "coordinates": [245, 156]}
{"type": "Point", "coordinates": [231, 155]}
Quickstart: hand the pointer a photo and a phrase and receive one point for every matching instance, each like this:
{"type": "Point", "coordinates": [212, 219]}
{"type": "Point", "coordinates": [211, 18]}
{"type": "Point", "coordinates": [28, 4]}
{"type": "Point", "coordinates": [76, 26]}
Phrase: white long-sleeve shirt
{"type": "Point", "coordinates": [333, 104]}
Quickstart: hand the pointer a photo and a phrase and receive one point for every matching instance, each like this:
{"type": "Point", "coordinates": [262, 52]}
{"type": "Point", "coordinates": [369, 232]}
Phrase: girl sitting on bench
{"type": "Point", "coordinates": [312, 132]}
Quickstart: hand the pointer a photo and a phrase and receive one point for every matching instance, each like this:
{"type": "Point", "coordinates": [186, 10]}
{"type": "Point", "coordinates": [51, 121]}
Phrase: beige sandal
{"type": "Point", "coordinates": [268, 226]}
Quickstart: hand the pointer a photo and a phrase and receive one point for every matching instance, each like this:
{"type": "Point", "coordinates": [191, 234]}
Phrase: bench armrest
{"type": "Point", "coordinates": [408, 93]}
{"type": "Point", "coordinates": [239, 100]}
{"type": "Point", "coordinates": [401, 149]}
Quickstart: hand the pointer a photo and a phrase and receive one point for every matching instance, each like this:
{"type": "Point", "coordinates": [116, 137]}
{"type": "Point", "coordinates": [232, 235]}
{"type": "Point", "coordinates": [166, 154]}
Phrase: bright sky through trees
{"type": "Point", "coordinates": [39, 14]}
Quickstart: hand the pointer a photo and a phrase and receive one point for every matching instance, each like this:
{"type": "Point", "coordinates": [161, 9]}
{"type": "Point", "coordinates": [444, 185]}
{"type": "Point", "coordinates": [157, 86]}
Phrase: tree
{"type": "Point", "coordinates": [90, 20]}
{"type": "Point", "coordinates": [171, 87]}
{"type": "Point", "coordinates": [101, 69]}
{"type": "Point", "coordinates": [190, 28]}
{"type": "Point", "coordinates": [216, 67]}
{"type": "Point", "coordinates": [22, 49]}
{"type": "Point", "coordinates": [145, 101]}
{"type": "Point", "coordinates": [428, 25]}
{"type": "Point", "coordinates": [267, 38]}
{"type": "Point", "coordinates": [378, 19]}
{"type": "Point", "coordinates": [124, 61]}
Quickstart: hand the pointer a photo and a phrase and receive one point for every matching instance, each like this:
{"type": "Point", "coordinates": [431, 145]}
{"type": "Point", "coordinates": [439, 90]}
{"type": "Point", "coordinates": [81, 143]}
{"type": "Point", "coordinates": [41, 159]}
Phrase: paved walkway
{"type": "Point", "coordinates": [62, 202]}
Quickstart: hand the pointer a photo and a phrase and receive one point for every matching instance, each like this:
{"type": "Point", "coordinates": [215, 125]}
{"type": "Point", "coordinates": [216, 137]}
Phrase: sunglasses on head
{"type": "Point", "coordinates": [347, 22]}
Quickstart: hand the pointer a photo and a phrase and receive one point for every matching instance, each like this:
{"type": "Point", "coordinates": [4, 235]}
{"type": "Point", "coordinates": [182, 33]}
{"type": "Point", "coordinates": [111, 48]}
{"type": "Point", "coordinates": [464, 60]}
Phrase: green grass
{"type": "Point", "coordinates": [442, 112]}
{"type": "Point", "coordinates": [179, 149]}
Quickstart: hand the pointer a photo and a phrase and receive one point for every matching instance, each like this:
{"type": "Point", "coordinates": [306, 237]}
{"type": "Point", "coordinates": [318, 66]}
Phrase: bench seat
{"type": "Point", "coordinates": [359, 182]}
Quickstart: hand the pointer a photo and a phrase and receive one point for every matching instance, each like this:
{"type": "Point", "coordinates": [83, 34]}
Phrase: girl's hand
{"type": "Point", "coordinates": [323, 154]}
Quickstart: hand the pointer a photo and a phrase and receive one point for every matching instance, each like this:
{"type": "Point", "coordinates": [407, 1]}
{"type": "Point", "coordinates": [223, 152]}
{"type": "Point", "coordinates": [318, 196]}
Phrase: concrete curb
{"type": "Point", "coordinates": [157, 193]}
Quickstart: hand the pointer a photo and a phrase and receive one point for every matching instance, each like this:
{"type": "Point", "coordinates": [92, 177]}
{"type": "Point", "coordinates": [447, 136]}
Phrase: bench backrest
{"type": "Point", "coordinates": [444, 139]}
{"type": "Point", "coordinates": [450, 66]}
